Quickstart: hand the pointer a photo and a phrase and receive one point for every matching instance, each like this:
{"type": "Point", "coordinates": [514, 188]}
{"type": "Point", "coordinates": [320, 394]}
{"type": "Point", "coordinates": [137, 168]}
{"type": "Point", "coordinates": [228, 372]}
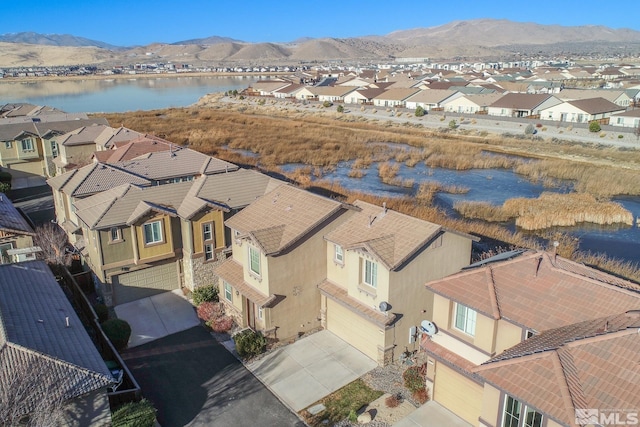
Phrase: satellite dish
{"type": "Point", "coordinates": [428, 327]}
{"type": "Point", "coordinates": [384, 306]}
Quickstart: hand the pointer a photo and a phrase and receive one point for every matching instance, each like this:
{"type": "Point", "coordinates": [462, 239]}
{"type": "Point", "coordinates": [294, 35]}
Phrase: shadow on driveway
{"type": "Point", "coordinates": [193, 380]}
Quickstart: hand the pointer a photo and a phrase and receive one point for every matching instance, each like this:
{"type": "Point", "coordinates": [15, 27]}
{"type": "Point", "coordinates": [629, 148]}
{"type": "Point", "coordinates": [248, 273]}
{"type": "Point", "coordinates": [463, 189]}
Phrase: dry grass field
{"type": "Point", "coordinates": [279, 136]}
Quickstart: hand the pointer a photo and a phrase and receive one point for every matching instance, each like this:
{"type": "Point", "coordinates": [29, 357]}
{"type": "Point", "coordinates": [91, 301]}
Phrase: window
{"type": "Point", "coordinates": [114, 234]}
{"type": "Point", "coordinates": [208, 252]}
{"type": "Point", "coordinates": [4, 258]}
{"type": "Point", "coordinates": [8, 144]}
{"type": "Point", "coordinates": [54, 149]}
{"type": "Point", "coordinates": [370, 273]}
{"type": "Point", "coordinates": [513, 411]}
{"type": "Point", "coordinates": [208, 239]}
{"type": "Point", "coordinates": [260, 313]}
{"type": "Point", "coordinates": [465, 319]}
{"type": "Point", "coordinates": [27, 144]}
{"type": "Point", "coordinates": [227, 292]}
{"type": "Point", "coordinates": [254, 260]}
{"type": "Point", "coordinates": [207, 231]}
{"type": "Point", "coordinates": [529, 334]}
{"type": "Point", "coordinates": [339, 257]}
{"type": "Point", "coordinates": [153, 232]}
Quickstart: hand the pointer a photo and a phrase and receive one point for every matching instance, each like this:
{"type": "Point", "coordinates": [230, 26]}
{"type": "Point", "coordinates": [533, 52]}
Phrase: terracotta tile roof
{"type": "Point", "coordinates": [451, 358]}
{"type": "Point", "coordinates": [592, 364]}
{"type": "Point", "coordinates": [538, 292]}
{"type": "Point", "coordinates": [341, 296]}
{"type": "Point", "coordinates": [231, 272]}
{"type": "Point", "coordinates": [282, 217]}
{"type": "Point", "coordinates": [135, 148]}
{"type": "Point", "coordinates": [389, 236]}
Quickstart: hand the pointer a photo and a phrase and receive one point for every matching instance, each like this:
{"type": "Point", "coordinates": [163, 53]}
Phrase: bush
{"type": "Point", "coordinates": [118, 331]}
{"type": "Point", "coordinates": [327, 104]}
{"type": "Point", "coordinates": [249, 343]}
{"type": "Point", "coordinates": [5, 187]}
{"type": "Point", "coordinates": [5, 176]}
{"type": "Point", "coordinates": [340, 109]}
{"type": "Point", "coordinates": [221, 324]}
{"type": "Point", "coordinates": [208, 311]}
{"type": "Point", "coordinates": [594, 127]}
{"type": "Point", "coordinates": [102, 311]}
{"type": "Point", "coordinates": [134, 414]}
{"type": "Point", "coordinates": [620, 136]}
{"type": "Point", "coordinates": [529, 130]}
{"type": "Point", "coordinates": [353, 416]}
{"type": "Point", "coordinates": [419, 111]}
{"type": "Point", "coordinates": [414, 378]}
{"type": "Point", "coordinates": [421, 396]}
{"type": "Point", "coordinates": [453, 124]}
{"type": "Point", "coordinates": [205, 294]}
{"type": "Point", "coordinates": [392, 401]}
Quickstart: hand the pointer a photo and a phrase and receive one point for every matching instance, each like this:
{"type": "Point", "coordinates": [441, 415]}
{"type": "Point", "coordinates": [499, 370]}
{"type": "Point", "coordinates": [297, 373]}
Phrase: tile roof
{"type": "Point", "coordinates": [592, 364]}
{"type": "Point", "coordinates": [11, 221]}
{"type": "Point", "coordinates": [340, 295]}
{"type": "Point", "coordinates": [134, 148]}
{"type": "Point", "coordinates": [231, 272]}
{"type": "Point", "coordinates": [539, 291]}
{"type": "Point", "coordinates": [389, 236]}
{"type": "Point", "coordinates": [33, 313]}
{"type": "Point", "coordinates": [112, 136]}
{"type": "Point", "coordinates": [282, 217]}
{"type": "Point", "coordinates": [94, 178]}
{"type": "Point", "coordinates": [82, 135]}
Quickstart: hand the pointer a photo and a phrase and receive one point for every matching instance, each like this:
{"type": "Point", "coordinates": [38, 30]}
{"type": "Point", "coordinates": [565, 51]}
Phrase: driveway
{"type": "Point", "coordinates": [311, 368]}
{"type": "Point", "coordinates": [193, 381]}
{"type": "Point", "coordinates": [157, 316]}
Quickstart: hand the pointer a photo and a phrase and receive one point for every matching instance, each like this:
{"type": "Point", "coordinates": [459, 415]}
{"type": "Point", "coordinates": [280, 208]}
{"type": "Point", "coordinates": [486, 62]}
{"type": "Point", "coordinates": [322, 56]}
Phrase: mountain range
{"type": "Point", "coordinates": [472, 39]}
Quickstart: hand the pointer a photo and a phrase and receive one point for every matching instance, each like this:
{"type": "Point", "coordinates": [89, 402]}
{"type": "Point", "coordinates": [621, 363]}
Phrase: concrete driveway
{"type": "Point", "coordinates": [157, 316]}
{"type": "Point", "coordinates": [313, 367]}
{"type": "Point", "coordinates": [193, 381]}
{"type": "Point", "coordinates": [432, 414]}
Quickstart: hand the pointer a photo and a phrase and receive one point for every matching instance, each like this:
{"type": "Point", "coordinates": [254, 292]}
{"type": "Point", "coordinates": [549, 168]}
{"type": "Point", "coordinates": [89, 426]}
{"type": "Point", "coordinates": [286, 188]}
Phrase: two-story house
{"type": "Point", "coordinates": [270, 282]}
{"type": "Point", "coordinates": [16, 234]}
{"type": "Point", "coordinates": [492, 306]}
{"type": "Point", "coordinates": [377, 262]}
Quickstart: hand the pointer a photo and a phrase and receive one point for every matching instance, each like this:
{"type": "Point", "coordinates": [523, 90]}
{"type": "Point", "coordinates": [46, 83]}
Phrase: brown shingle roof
{"type": "Point", "coordinates": [399, 94]}
{"type": "Point", "coordinates": [389, 236]}
{"type": "Point", "coordinates": [596, 105]}
{"type": "Point", "coordinates": [282, 217]}
{"type": "Point", "coordinates": [526, 101]}
{"type": "Point", "coordinates": [538, 291]}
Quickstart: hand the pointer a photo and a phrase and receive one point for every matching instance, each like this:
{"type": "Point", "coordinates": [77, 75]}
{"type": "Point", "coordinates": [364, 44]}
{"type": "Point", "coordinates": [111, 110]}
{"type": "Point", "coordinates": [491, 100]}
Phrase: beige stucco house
{"type": "Point", "coordinates": [483, 313]}
{"type": "Point", "coordinates": [376, 263]}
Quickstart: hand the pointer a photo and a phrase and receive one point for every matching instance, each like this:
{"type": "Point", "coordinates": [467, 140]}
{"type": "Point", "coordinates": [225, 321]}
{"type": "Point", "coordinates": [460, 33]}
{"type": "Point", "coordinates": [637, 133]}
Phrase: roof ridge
{"type": "Point", "coordinates": [117, 197]}
{"type": "Point", "coordinates": [570, 371]}
{"type": "Point", "coordinates": [493, 294]}
{"type": "Point", "coordinates": [568, 399]}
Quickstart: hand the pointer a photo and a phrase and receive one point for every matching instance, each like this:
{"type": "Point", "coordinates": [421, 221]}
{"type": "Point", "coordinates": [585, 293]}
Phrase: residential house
{"type": "Point", "coordinates": [363, 96]}
{"type": "Point", "coordinates": [430, 99]}
{"type": "Point", "coordinates": [627, 119]}
{"type": "Point", "coordinates": [376, 263]}
{"type": "Point", "coordinates": [332, 93]}
{"type": "Point", "coordinates": [75, 149]}
{"type": "Point", "coordinates": [268, 87]}
{"type": "Point", "coordinates": [288, 91]}
{"type": "Point", "coordinates": [522, 105]}
{"type": "Point", "coordinates": [583, 374]}
{"type": "Point", "coordinates": [278, 258]}
{"type": "Point", "coordinates": [16, 234]}
{"type": "Point", "coordinates": [471, 104]}
{"type": "Point", "coordinates": [45, 350]}
{"type": "Point", "coordinates": [394, 97]}
{"type": "Point", "coordinates": [618, 97]}
{"type": "Point", "coordinates": [494, 305]}
{"type": "Point", "coordinates": [582, 111]}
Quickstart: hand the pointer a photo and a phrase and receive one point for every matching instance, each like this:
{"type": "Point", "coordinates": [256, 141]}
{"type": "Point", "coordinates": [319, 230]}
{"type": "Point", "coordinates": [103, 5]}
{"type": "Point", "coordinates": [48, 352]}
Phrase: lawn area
{"type": "Point", "coordinates": [339, 404]}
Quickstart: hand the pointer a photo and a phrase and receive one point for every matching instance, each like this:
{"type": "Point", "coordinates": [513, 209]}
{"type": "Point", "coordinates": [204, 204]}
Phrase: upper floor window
{"type": "Point", "coordinates": [370, 274]}
{"type": "Point", "coordinates": [339, 255]}
{"type": "Point", "coordinates": [465, 319]}
{"type": "Point", "coordinates": [207, 231]}
{"type": "Point", "coordinates": [515, 414]}
{"type": "Point", "coordinates": [153, 232]}
{"type": "Point", "coordinates": [115, 235]}
{"type": "Point", "coordinates": [254, 260]}
{"type": "Point", "coordinates": [8, 144]}
{"type": "Point", "coordinates": [54, 149]}
{"type": "Point", "coordinates": [27, 144]}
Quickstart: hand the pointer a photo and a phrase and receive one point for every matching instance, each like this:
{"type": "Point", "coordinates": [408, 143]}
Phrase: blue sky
{"type": "Point", "coordinates": [140, 22]}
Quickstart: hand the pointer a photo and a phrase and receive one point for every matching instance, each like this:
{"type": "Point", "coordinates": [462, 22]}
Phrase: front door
{"type": "Point", "coordinates": [251, 322]}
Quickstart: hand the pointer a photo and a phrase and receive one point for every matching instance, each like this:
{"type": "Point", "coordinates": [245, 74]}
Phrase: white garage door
{"type": "Point", "coordinates": [144, 283]}
{"type": "Point", "coordinates": [363, 335]}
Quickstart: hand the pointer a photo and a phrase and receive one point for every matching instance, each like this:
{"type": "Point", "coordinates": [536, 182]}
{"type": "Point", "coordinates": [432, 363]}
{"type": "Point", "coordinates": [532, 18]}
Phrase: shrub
{"type": "Point", "coordinates": [5, 176]}
{"type": "Point", "coordinates": [414, 378]}
{"type": "Point", "coordinates": [340, 109]}
{"type": "Point", "coordinates": [529, 130]}
{"type": "Point", "coordinates": [419, 111]}
{"type": "Point", "coordinates": [261, 102]}
{"type": "Point", "coordinates": [594, 127]}
{"type": "Point", "coordinates": [221, 324]}
{"type": "Point", "coordinates": [453, 124]}
{"type": "Point", "coordinates": [205, 294]}
{"type": "Point", "coordinates": [353, 416]}
{"type": "Point", "coordinates": [5, 187]}
{"type": "Point", "coordinates": [620, 136]}
{"type": "Point", "coordinates": [392, 401]}
{"type": "Point", "coordinates": [327, 104]}
{"type": "Point", "coordinates": [421, 396]}
{"type": "Point", "coordinates": [134, 414]}
{"type": "Point", "coordinates": [208, 311]}
{"type": "Point", "coordinates": [118, 331]}
{"type": "Point", "coordinates": [249, 343]}
{"type": "Point", "coordinates": [102, 311]}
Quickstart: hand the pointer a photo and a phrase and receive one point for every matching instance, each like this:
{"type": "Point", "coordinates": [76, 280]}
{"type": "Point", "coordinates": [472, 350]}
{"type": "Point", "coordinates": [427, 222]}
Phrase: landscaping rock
{"type": "Point", "coordinates": [364, 418]}
{"type": "Point", "coordinates": [316, 409]}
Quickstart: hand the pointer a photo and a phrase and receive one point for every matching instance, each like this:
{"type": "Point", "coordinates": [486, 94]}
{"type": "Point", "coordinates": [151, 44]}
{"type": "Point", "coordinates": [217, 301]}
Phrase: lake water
{"type": "Point", "coordinates": [119, 95]}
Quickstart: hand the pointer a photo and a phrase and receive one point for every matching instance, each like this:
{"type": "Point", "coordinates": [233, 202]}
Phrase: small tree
{"type": "Point", "coordinates": [453, 124]}
{"type": "Point", "coordinates": [340, 109]}
{"type": "Point", "coordinates": [53, 242]}
{"type": "Point", "coordinates": [134, 414]}
{"type": "Point", "coordinates": [529, 130]}
{"type": "Point", "coordinates": [327, 104]}
{"type": "Point", "coordinates": [594, 127]}
{"type": "Point", "coordinates": [419, 111]}
{"type": "Point", "coordinates": [118, 331]}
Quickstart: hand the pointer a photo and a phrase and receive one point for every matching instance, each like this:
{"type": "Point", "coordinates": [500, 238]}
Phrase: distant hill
{"type": "Point", "coordinates": [472, 39]}
{"type": "Point", "coordinates": [53, 40]}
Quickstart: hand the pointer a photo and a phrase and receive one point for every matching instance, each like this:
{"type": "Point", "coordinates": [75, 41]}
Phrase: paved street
{"type": "Point", "coordinates": [192, 380]}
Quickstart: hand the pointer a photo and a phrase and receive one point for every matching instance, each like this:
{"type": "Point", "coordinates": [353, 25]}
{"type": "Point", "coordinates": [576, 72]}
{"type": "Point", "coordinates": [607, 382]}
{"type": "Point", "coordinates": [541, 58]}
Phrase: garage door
{"type": "Point", "coordinates": [144, 283]}
{"type": "Point", "coordinates": [457, 393]}
{"type": "Point", "coordinates": [29, 167]}
{"type": "Point", "coordinates": [355, 330]}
